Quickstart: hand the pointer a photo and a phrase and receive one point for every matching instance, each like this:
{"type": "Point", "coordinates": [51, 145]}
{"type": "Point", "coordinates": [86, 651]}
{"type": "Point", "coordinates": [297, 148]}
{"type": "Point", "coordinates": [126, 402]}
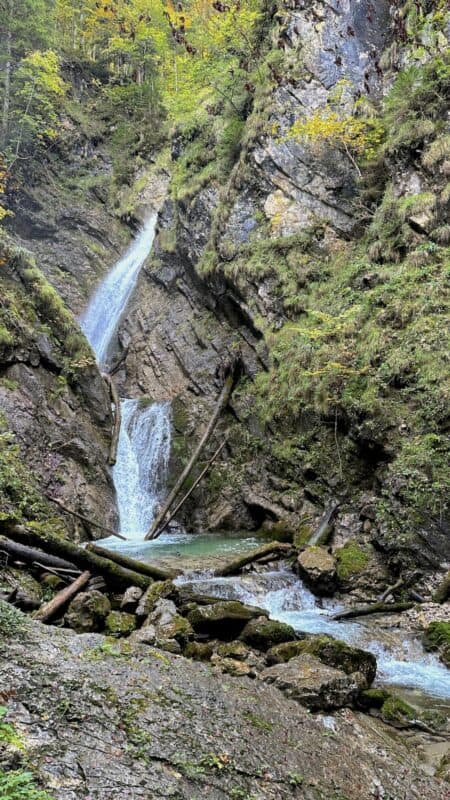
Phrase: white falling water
{"type": "Point", "coordinates": [102, 316]}
{"type": "Point", "coordinates": [143, 452]}
{"type": "Point", "coordinates": [140, 473]}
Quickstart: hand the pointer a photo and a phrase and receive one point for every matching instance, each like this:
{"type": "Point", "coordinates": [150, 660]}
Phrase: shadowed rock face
{"type": "Point", "coordinates": [114, 721]}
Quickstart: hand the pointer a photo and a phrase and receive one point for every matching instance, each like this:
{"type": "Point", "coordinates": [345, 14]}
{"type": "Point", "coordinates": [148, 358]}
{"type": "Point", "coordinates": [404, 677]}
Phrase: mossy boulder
{"type": "Point", "coordinates": [178, 628]}
{"type": "Point", "coordinates": [351, 560]}
{"type": "Point", "coordinates": [225, 620]}
{"type": "Point", "coordinates": [281, 653]}
{"type": "Point", "coordinates": [437, 637]}
{"type": "Point", "coordinates": [29, 593]}
{"type": "Point", "coordinates": [373, 698]}
{"type": "Point", "coordinates": [314, 684]}
{"type": "Point", "coordinates": [303, 534]}
{"type": "Point", "coordinates": [236, 650]}
{"type": "Point", "coordinates": [263, 633]}
{"type": "Point", "coordinates": [88, 611]}
{"type": "Point", "coordinates": [199, 651]}
{"type": "Point", "coordinates": [330, 651]}
{"type": "Point", "coordinates": [120, 623]}
{"type": "Point", "coordinates": [317, 567]}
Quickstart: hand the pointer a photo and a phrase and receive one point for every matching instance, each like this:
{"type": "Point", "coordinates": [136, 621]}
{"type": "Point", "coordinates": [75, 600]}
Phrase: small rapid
{"type": "Point", "coordinates": [401, 659]}
{"type": "Point", "coordinates": [100, 321]}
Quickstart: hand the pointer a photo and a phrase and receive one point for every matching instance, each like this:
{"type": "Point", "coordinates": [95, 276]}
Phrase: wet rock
{"type": "Point", "coordinates": [263, 633]}
{"type": "Point", "coordinates": [88, 611]}
{"type": "Point", "coordinates": [225, 619]}
{"type": "Point", "coordinates": [317, 567]}
{"type": "Point", "coordinates": [131, 598]}
{"type": "Point", "coordinates": [120, 623]}
{"type": "Point", "coordinates": [313, 684]}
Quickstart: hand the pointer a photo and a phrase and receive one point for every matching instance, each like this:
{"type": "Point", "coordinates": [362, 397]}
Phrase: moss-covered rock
{"type": "Point", "coordinates": [373, 698]}
{"type": "Point", "coordinates": [120, 623]}
{"type": "Point", "coordinates": [88, 611]}
{"type": "Point", "coordinates": [396, 711]}
{"type": "Point", "coordinates": [225, 620]}
{"type": "Point", "coordinates": [263, 633]}
{"type": "Point", "coordinates": [199, 651]}
{"type": "Point", "coordinates": [157, 590]}
{"type": "Point", "coordinates": [351, 559]}
{"type": "Point", "coordinates": [237, 650]}
{"type": "Point", "coordinates": [330, 651]}
{"type": "Point", "coordinates": [317, 567]}
{"type": "Point", "coordinates": [437, 637]}
{"type": "Point", "coordinates": [178, 628]}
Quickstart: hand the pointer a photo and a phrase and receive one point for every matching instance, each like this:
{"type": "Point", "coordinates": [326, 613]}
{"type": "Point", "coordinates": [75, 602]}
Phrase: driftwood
{"type": "Point", "coordinates": [442, 592]}
{"type": "Point", "coordinates": [117, 420]}
{"type": "Point", "coordinates": [235, 566]}
{"type": "Point", "coordinates": [112, 572]}
{"type": "Point", "coordinates": [30, 555]}
{"type": "Point", "coordinates": [376, 608]}
{"type": "Point", "coordinates": [324, 530]}
{"type": "Point", "coordinates": [390, 590]}
{"type": "Point", "coordinates": [222, 401]}
{"type": "Point", "coordinates": [131, 563]}
{"type": "Point", "coordinates": [85, 519]}
{"type": "Point", "coordinates": [179, 505]}
{"type": "Point", "coordinates": [50, 609]}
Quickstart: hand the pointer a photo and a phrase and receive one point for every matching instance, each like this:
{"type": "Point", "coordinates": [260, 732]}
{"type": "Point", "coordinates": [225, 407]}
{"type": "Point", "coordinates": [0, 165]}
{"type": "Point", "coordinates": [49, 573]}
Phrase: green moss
{"type": "Point", "coordinates": [12, 622]}
{"type": "Point", "coordinates": [437, 637]}
{"type": "Point", "coordinates": [373, 698]}
{"type": "Point", "coordinates": [119, 623]}
{"type": "Point", "coordinates": [396, 710]}
{"type": "Point", "coordinates": [350, 559]}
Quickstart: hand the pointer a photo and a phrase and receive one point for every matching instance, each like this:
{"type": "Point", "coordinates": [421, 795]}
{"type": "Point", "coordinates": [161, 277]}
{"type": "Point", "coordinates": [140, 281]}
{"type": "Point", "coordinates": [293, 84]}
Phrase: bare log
{"type": "Point", "coordinates": [442, 592]}
{"type": "Point", "coordinates": [376, 608]}
{"type": "Point", "coordinates": [220, 405]}
{"type": "Point", "coordinates": [235, 566]}
{"type": "Point", "coordinates": [390, 590]}
{"type": "Point", "coordinates": [85, 519]}
{"type": "Point", "coordinates": [179, 505]}
{"type": "Point", "coordinates": [50, 609]}
{"type": "Point", "coordinates": [131, 563]}
{"type": "Point", "coordinates": [112, 572]}
{"type": "Point", "coordinates": [30, 555]}
{"type": "Point", "coordinates": [324, 530]}
{"type": "Point", "coordinates": [115, 401]}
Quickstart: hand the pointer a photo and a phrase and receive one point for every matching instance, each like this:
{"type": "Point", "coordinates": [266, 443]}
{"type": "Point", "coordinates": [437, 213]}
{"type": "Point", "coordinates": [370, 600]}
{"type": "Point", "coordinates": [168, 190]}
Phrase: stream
{"type": "Point", "coordinates": [140, 477]}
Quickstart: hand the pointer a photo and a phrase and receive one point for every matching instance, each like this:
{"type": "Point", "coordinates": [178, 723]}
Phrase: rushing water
{"type": "Point", "coordinates": [140, 473]}
{"type": "Point", "coordinates": [105, 309]}
{"type": "Point", "coordinates": [400, 657]}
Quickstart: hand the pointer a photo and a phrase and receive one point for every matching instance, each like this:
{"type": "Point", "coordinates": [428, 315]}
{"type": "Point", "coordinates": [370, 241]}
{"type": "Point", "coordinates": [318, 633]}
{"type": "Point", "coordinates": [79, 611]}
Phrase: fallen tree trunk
{"type": "Point", "coordinates": [390, 590]}
{"type": "Point", "coordinates": [112, 572]}
{"type": "Point", "coordinates": [130, 563]}
{"type": "Point", "coordinates": [179, 505]}
{"type": "Point", "coordinates": [220, 405]}
{"type": "Point", "coordinates": [443, 590]}
{"type": "Point", "coordinates": [115, 401]}
{"type": "Point", "coordinates": [376, 608]}
{"type": "Point", "coordinates": [31, 555]}
{"type": "Point", "coordinates": [324, 530]}
{"type": "Point", "coordinates": [235, 566]}
{"type": "Point", "coordinates": [85, 519]}
{"type": "Point", "coordinates": [50, 609]}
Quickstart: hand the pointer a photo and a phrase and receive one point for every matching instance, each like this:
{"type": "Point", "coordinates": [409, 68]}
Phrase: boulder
{"type": "Point", "coordinates": [157, 590]}
{"type": "Point", "coordinates": [88, 611]}
{"type": "Point", "coordinates": [232, 666]}
{"type": "Point", "coordinates": [120, 623]}
{"type": "Point", "coordinates": [330, 651]}
{"type": "Point", "coordinates": [317, 567]}
{"type": "Point", "coordinates": [437, 637]}
{"type": "Point", "coordinates": [224, 620]}
{"type": "Point", "coordinates": [263, 633]}
{"type": "Point", "coordinates": [172, 631]}
{"type": "Point", "coordinates": [199, 651]}
{"type": "Point", "coordinates": [131, 598]}
{"type": "Point", "coordinates": [314, 684]}
{"type": "Point", "coordinates": [146, 635]}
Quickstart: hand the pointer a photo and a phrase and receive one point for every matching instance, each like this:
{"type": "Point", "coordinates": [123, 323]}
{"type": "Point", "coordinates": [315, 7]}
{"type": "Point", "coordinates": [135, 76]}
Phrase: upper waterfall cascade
{"type": "Point", "coordinates": [102, 316]}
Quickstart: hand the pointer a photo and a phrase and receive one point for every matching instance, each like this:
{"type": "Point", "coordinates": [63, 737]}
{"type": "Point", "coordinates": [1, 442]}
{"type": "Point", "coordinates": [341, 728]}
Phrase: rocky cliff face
{"type": "Point", "coordinates": [296, 258]}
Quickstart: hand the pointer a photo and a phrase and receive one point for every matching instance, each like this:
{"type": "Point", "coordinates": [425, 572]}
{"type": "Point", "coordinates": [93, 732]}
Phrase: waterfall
{"type": "Point", "coordinates": [102, 316]}
{"type": "Point", "coordinates": [140, 473]}
{"type": "Point", "coordinates": [143, 452]}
